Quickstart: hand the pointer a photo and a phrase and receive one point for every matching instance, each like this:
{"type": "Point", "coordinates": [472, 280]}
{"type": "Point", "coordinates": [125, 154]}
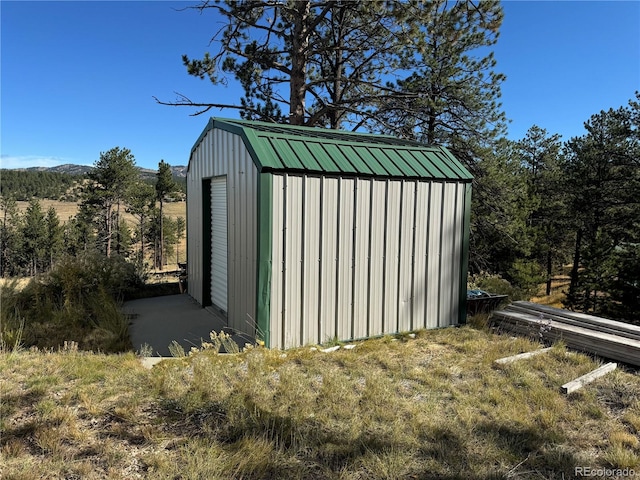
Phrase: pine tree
{"type": "Point", "coordinates": [327, 63]}
{"type": "Point", "coordinates": [34, 232]}
{"type": "Point", "coordinates": [539, 154]}
{"type": "Point", "coordinates": [603, 180]}
{"type": "Point", "coordinates": [452, 98]}
{"type": "Point", "coordinates": [141, 204]}
{"type": "Point", "coordinates": [181, 226]}
{"type": "Point", "coordinates": [111, 178]}
{"type": "Point", "coordinates": [9, 241]}
{"type": "Point", "coordinates": [164, 186]}
{"type": "Point", "coordinates": [54, 236]}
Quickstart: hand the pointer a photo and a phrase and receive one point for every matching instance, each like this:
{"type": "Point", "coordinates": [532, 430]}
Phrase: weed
{"type": "Point", "coordinates": [75, 301]}
{"type": "Point", "coordinates": [145, 350]}
{"type": "Point", "coordinates": [176, 350]}
{"type": "Point", "coordinates": [433, 406]}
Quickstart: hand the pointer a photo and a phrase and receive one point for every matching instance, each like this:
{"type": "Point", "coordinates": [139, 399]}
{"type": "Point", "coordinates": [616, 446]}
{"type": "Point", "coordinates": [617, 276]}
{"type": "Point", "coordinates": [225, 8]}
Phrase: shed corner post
{"type": "Point", "coordinates": [464, 264]}
{"type": "Point", "coordinates": [265, 241]}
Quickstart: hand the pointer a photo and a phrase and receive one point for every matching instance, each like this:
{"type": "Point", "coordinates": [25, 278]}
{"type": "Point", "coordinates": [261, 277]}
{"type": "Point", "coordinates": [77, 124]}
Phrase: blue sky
{"type": "Point", "coordinates": [77, 78]}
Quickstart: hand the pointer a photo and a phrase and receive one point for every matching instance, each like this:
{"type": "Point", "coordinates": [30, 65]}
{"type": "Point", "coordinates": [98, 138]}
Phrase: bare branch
{"type": "Point", "coordinates": [183, 101]}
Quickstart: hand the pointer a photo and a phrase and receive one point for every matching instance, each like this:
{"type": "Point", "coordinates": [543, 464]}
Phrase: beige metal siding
{"type": "Point", "coordinates": [391, 256]}
{"type": "Point", "coordinates": [328, 258]}
{"type": "Point", "coordinates": [357, 257]}
{"type": "Point", "coordinates": [376, 255]}
{"type": "Point", "coordinates": [361, 259]}
{"type": "Point", "coordinates": [434, 255]}
{"type": "Point", "coordinates": [345, 213]}
{"type": "Point", "coordinates": [311, 258]}
{"type": "Point", "coordinates": [223, 153]}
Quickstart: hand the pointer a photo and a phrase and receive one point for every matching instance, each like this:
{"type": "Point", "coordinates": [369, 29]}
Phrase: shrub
{"type": "Point", "coordinates": [76, 301]}
{"type": "Point", "coordinates": [494, 283]}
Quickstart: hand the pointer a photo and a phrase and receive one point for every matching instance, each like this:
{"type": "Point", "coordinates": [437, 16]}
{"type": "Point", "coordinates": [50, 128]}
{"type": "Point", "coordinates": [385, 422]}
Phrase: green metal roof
{"type": "Point", "coordinates": [294, 149]}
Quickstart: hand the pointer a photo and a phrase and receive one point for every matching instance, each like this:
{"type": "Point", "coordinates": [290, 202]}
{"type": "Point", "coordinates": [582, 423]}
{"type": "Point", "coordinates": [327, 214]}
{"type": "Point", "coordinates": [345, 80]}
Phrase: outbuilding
{"type": "Point", "coordinates": [303, 235]}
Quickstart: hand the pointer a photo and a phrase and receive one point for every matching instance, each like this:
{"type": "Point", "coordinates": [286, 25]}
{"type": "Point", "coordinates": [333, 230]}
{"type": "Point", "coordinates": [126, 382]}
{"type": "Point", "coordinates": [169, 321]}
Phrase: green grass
{"type": "Point", "coordinates": [433, 406]}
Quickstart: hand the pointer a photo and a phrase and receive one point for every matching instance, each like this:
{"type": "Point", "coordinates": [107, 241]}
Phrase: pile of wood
{"type": "Point", "coordinates": [587, 333]}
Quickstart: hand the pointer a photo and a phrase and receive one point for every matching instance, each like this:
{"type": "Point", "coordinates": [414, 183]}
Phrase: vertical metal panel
{"type": "Point", "coordinates": [310, 285]}
{"type": "Point", "coordinates": [446, 272]}
{"type": "Point", "coordinates": [456, 249]}
{"type": "Point", "coordinates": [223, 153]}
{"type": "Point", "coordinates": [433, 260]}
{"type": "Point", "coordinates": [345, 258]}
{"type": "Point", "coordinates": [361, 258]}
{"type": "Point", "coordinates": [420, 280]}
{"type": "Point", "coordinates": [219, 250]}
{"type": "Point", "coordinates": [392, 253]}
{"type": "Point", "coordinates": [328, 268]}
{"type": "Point", "coordinates": [376, 272]}
{"type": "Point", "coordinates": [277, 262]}
{"type": "Point", "coordinates": [405, 268]}
{"type": "Point", "coordinates": [293, 260]}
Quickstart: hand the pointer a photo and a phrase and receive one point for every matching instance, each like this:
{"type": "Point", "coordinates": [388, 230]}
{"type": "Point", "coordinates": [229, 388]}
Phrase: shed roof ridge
{"type": "Point", "coordinates": [318, 132]}
{"type": "Point", "coordinates": [292, 148]}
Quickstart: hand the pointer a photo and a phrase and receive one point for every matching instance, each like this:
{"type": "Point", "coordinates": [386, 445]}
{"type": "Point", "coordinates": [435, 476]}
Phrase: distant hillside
{"type": "Point", "coordinates": [25, 184]}
{"type": "Point", "coordinates": [67, 168]}
{"type": "Point", "coordinates": [178, 171]}
{"type": "Point", "coordinates": [63, 182]}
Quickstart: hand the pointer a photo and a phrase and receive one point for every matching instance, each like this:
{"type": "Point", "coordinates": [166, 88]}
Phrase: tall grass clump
{"type": "Point", "coordinates": [11, 324]}
{"type": "Point", "coordinates": [78, 300]}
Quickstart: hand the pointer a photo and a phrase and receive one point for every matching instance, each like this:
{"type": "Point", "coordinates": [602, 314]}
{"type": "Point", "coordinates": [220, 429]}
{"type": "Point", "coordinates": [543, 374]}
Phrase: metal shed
{"type": "Point", "coordinates": [301, 235]}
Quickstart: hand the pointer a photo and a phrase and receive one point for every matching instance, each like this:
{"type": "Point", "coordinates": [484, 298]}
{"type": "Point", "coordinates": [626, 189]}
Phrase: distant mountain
{"type": "Point", "coordinates": [179, 171]}
{"type": "Point", "coordinates": [66, 168]}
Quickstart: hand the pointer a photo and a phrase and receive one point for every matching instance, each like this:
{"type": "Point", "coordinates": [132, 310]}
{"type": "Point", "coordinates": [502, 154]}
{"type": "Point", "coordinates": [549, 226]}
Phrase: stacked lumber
{"type": "Point", "coordinates": [587, 333]}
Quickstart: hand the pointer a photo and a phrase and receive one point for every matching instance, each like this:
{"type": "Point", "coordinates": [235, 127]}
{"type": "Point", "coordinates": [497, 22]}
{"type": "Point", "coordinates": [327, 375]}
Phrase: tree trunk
{"type": "Point", "coordinates": [335, 115]}
{"type": "Point", "coordinates": [118, 239]}
{"type": "Point", "coordinates": [161, 249]}
{"type": "Point", "coordinates": [574, 269]}
{"type": "Point", "coordinates": [142, 239]}
{"type": "Point", "coordinates": [108, 225]}
{"type": "Point", "coordinates": [300, 44]}
{"type": "Point", "coordinates": [3, 253]}
{"type": "Point", "coordinates": [549, 269]}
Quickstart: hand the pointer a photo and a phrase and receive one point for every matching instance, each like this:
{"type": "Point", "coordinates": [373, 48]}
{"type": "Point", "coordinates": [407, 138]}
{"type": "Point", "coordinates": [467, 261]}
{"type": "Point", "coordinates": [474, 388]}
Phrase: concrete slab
{"type": "Point", "coordinates": [158, 321]}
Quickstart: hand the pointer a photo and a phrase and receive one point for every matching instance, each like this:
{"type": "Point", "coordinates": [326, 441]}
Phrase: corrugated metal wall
{"type": "Point", "coordinates": [224, 153]}
{"type": "Point", "coordinates": [356, 257]}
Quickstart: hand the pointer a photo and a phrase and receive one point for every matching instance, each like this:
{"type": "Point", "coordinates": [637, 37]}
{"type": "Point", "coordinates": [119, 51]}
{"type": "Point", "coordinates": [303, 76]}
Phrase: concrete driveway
{"type": "Point", "coordinates": [158, 321]}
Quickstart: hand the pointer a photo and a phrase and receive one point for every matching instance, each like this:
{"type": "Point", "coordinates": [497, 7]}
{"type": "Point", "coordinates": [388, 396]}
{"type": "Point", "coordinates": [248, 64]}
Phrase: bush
{"type": "Point", "coordinates": [527, 275]}
{"type": "Point", "coordinates": [493, 283]}
{"type": "Point", "coordinates": [78, 300]}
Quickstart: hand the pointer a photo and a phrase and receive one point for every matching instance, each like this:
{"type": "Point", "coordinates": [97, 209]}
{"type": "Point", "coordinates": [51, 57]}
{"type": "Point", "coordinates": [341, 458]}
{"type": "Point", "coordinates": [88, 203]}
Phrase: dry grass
{"type": "Point", "coordinates": [433, 406]}
{"type": "Point", "coordinates": [559, 285]}
{"type": "Point", "coordinates": [69, 209]}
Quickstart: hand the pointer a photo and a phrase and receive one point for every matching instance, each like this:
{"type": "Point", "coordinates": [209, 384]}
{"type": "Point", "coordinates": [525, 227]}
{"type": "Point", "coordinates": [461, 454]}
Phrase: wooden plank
{"type": "Point", "coordinates": [581, 317]}
{"type": "Point", "coordinates": [579, 338]}
{"type": "Point", "coordinates": [605, 328]}
{"type": "Point", "coordinates": [521, 356]}
{"type": "Point", "coordinates": [580, 382]}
